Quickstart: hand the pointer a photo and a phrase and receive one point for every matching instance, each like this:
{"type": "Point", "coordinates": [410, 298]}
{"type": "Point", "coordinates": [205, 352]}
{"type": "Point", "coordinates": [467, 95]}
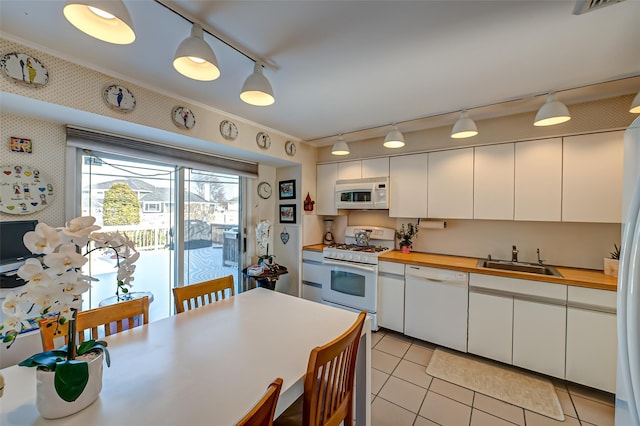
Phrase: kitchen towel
{"type": "Point", "coordinates": [504, 383]}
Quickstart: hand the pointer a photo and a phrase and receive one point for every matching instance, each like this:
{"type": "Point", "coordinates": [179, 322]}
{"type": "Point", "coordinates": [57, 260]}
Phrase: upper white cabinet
{"type": "Point", "coordinates": [538, 180]}
{"type": "Point", "coordinates": [326, 176]}
{"type": "Point", "coordinates": [450, 184]}
{"type": "Point", "coordinates": [374, 167]}
{"type": "Point", "coordinates": [493, 182]}
{"type": "Point", "coordinates": [350, 170]}
{"type": "Point", "coordinates": [592, 178]}
{"type": "Point", "coordinates": [408, 186]}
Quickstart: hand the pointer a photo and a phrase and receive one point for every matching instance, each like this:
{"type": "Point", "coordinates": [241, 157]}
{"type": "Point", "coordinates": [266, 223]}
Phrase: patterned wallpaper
{"type": "Point", "coordinates": [48, 156]}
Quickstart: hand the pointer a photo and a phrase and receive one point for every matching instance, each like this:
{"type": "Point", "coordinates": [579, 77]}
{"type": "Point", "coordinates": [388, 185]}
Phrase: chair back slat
{"type": "Point", "coordinates": [262, 413]}
{"type": "Point", "coordinates": [328, 387]}
{"type": "Point", "coordinates": [204, 293]}
{"type": "Point", "coordinates": [97, 322]}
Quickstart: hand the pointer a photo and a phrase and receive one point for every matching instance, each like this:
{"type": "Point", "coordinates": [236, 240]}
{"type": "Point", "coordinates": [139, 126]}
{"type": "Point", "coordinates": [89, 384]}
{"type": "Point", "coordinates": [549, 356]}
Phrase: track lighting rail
{"type": "Point", "coordinates": [212, 32]}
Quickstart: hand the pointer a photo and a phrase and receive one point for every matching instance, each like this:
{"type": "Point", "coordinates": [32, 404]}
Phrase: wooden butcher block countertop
{"type": "Point", "coordinates": [570, 276]}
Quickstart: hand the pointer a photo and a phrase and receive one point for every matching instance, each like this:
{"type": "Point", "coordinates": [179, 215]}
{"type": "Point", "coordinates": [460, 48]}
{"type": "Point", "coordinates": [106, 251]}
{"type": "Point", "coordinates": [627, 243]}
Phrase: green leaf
{"type": "Point", "coordinates": [47, 359]}
{"type": "Point", "coordinates": [70, 379]}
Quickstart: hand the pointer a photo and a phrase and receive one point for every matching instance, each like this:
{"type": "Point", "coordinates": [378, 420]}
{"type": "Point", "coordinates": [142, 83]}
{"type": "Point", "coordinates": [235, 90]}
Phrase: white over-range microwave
{"type": "Point", "coordinates": [368, 193]}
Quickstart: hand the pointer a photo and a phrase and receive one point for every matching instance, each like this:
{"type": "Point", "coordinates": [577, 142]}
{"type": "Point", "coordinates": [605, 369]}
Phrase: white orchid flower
{"type": "Point", "coordinates": [16, 323]}
{"type": "Point", "coordinates": [10, 304]}
{"type": "Point", "coordinates": [32, 272]}
{"type": "Point", "coordinates": [81, 226]}
{"type": "Point", "coordinates": [66, 257]}
{"type": "Point", "coordinates": [44, 239]}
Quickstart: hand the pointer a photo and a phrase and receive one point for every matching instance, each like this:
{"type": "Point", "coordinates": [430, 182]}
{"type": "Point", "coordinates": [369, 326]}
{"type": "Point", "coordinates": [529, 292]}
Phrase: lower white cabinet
{"type": "Point", "coordinates": [391, 296]}
{"type": "Point", "coordinates": [539, 331]}
{"type": "Point", "coordinates": [311, 275]}
{"type": "Point", "coordinates": [591, 338]}
{"type": "Point", "coordinates": [311, 292]}
{"type": "Point", "coordinates": [490, 326]}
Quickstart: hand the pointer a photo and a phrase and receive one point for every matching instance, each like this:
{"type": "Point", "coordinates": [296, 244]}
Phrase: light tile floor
{"type": "Point", "coordinates": [404, 394]}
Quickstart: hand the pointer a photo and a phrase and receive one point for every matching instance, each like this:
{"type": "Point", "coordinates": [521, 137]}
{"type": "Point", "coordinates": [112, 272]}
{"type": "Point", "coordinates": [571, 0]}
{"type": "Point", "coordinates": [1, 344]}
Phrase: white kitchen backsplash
{"type": "Point", "coordinates": [578, 245]}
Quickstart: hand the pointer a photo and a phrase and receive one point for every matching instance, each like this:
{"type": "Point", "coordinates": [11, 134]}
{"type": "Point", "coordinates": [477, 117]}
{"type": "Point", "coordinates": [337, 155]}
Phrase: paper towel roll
{"type": "Point", "coordinates": [433, 224]}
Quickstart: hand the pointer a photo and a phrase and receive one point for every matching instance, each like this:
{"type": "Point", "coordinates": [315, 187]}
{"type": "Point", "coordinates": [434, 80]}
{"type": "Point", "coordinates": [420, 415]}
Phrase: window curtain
{"type": "Point", "coordinates": [147, 150]}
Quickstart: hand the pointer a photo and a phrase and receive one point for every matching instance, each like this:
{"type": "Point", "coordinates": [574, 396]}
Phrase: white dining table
{"type": "Point", "coordinates": [207, 366]}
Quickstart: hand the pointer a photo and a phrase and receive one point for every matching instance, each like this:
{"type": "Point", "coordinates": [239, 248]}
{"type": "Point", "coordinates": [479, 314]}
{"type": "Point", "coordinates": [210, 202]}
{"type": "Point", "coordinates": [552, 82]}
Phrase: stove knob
{"type": "Point", "coordinates": [340, 256]}
{"type": "Point", "coordinates": [349, 257]}
{"type": "Point", "coordinates": [356, 258]}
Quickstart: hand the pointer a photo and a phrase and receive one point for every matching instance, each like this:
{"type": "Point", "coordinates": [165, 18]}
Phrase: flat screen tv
{"type": "Point", "coordinates": [12, 248]}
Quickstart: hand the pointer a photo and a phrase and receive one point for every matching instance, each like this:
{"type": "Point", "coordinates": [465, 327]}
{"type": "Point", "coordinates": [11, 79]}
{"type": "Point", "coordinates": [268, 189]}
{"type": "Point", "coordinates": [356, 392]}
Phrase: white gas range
{"type": "Point", "coordinates": [351, 279]}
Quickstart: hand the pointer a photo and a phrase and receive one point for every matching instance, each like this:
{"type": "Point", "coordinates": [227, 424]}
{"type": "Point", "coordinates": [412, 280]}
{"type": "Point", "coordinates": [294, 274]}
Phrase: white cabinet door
{"type": "Point", "coordinates": [350, 170]}
{"type": "Point", "coordinates": [490, 326]}
{"type": "Point", "coordinates": [538, 180]}
{"type": "Point", "coordinates": [312, 292]}
{"type": "Point", "coordinates": [326, 176]}
{"type": "Point", "coordinates": [375, 167]}
{"type": "Point", "coordinates": [591, 348]}
{"type": "Point", "coordinates": [312, 275]}
{"type": "Point", "coordinates": [592, 178]}
{"type": "Point", "coordinates": [408, 186]}
{"type": "Point", "coordinates": [493, 182]}
{"type": "Point", "coordinates": [451, 184]}
{"type": "Point", "coordinates": [539, 331]}
{"type": "Point", "coordinates": [391, 296]}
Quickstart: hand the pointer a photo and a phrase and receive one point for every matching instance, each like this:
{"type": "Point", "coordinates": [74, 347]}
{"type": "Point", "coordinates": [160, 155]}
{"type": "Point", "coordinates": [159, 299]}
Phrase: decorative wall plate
{"type": "Point", "coordinates": [119, 98]}
{"type": "Point", "coordinates": [24, 69]}
{"type": "Point", "coordinates": [183, 117]}
{"type": "Point", "coordinates": [23, 190]}
{"type": "Point", "coordinates": [228, 130]}
{"type": "Point", "coordinates": [290, 148]}
{"type": "Point", "coordinates": [263, 140]}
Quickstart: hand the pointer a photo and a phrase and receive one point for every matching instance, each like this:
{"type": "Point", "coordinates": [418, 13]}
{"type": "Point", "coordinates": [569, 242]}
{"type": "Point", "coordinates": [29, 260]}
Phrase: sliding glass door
{"type": "Point", "coordinates": [141, 199]}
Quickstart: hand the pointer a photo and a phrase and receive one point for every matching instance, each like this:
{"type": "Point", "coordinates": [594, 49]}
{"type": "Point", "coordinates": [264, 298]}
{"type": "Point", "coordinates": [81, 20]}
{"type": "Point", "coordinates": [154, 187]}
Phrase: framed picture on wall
{"type": "Point", "coordinates": [287, 213]}
{"type": "Point", "coordinates": [287, 189]}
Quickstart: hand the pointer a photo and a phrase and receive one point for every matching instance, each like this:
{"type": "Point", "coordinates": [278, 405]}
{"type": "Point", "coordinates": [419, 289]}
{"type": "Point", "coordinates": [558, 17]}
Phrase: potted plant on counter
{"type": "Point", "coordinates": [405, 235]}
{"type": "Point", "coordinates": [611, 262]}
{"type": "Point", "coordinates": [68, 378]}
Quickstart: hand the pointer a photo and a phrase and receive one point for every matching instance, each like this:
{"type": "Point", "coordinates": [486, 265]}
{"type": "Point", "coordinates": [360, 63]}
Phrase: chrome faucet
{"type": "Point", "coordinates": [514, 254]}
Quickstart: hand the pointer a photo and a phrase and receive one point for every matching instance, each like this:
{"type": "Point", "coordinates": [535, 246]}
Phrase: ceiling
{"type": "Point", "coordinates": [345, 66]}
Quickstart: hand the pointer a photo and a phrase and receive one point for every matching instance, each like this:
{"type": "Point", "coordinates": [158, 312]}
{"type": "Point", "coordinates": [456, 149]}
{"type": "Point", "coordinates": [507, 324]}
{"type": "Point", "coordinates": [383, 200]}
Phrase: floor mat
{"type": "Point", "coordinates": [498, 381]}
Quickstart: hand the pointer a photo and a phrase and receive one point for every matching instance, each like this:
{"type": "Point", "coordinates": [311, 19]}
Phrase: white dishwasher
{"type": "Point", "coordinates": [437, 305]}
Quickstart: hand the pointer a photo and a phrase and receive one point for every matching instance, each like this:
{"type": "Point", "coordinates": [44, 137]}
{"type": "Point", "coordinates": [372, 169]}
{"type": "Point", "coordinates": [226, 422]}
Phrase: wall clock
{"type": "Point", "coordinates": [263, 140]}
{"type": "Point", "coordinates": [183, 117]}
{"type": "Point", "coordinates": [228, 130]}
{"type": "Point", "coordinates": [264, 190]}
{"type": "Point", "coordinates": [23, 190]}
{"type": "Point", "coordinates": [290, 148]}
{"type": "Point", "coordinates": [24, 69]}
{"type": "Point", "coordinates": [119, 98]}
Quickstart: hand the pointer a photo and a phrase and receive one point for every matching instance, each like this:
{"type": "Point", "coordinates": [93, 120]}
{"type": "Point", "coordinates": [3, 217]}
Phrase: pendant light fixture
{"type": "Point", "coordinates": [465, 127]}
{"type": "Point", "coordinates": [340, 147]}
{"type": "Point", "coordinates": [394, 138]}
{"type": "Point", "coordinates": [194, 57]}
{"type": "Point", "coordinates": [552, 112]}
{"type": "Point", "coordinates": [635, 105]}
{"type": "Point", "coordinates": [105, 20]}
{"type": "Point", "coordinates": [256, 89]}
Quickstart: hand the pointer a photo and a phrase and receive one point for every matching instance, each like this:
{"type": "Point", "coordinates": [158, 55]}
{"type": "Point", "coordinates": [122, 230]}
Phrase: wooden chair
{"type": "Point", "coordinates": [328, 384]}
{"type": "Point", "coordinates": [262, 413]}
{"type": "Point", "coordinates": [96, 320]}
{"type": "Point", "coordinates": [203, 293]}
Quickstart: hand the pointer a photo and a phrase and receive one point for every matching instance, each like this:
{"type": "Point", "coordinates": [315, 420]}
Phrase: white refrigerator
{"type": "Point", "coordinates": [628, 309]}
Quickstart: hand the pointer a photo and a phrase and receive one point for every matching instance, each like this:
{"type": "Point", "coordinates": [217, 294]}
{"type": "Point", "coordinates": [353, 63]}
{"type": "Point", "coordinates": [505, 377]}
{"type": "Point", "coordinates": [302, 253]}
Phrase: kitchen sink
{"type": "Point", "coordinates": [530, 268]}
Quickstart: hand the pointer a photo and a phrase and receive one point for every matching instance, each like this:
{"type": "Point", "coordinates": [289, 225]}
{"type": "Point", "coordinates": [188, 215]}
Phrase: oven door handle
{"type": "Point", "coordinates": [349, 265]}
